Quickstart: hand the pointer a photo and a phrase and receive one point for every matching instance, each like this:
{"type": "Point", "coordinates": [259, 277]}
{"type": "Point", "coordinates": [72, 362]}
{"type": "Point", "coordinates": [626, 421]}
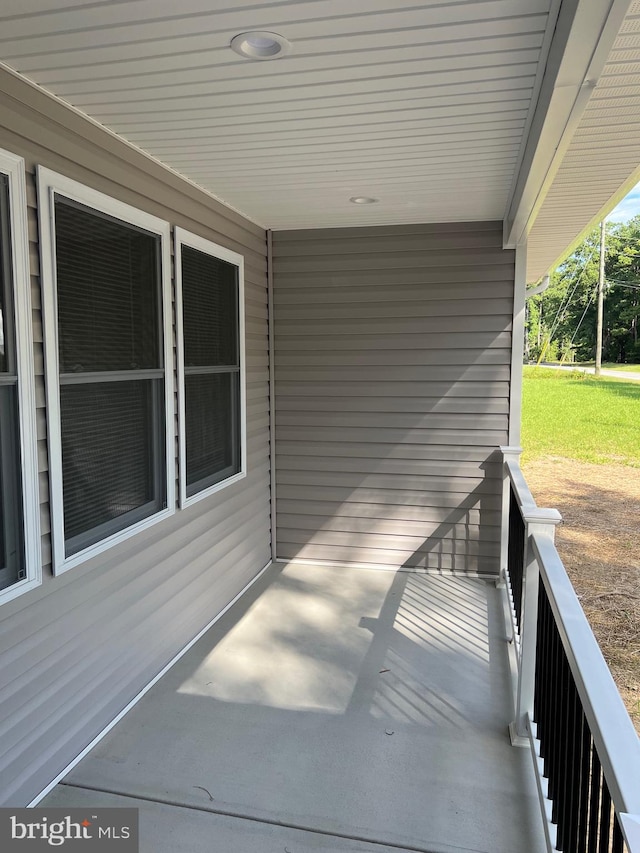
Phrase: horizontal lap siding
{"type": "Point", "coordinates": [393, 352]}
{"type": "Point", "coordinates": [75, 651]}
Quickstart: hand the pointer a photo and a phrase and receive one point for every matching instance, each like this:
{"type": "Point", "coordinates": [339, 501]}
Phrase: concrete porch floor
{"type": "Point", "coordinates": [328, 710]}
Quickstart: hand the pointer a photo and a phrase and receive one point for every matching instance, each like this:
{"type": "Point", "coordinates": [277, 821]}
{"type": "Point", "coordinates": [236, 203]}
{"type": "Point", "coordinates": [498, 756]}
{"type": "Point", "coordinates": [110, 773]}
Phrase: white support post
{"type": "Point", "coordinates": [541, 522]}
{"type": "Point", "coordinates": [517, 343]}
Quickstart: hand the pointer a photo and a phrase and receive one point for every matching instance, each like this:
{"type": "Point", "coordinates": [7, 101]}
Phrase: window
{"type": "Point", "coordinates": [20, 560]}
{"type": "Point", "coordinates": [108, 341]}
{"type": "Point", "coordinates": [210, 323]}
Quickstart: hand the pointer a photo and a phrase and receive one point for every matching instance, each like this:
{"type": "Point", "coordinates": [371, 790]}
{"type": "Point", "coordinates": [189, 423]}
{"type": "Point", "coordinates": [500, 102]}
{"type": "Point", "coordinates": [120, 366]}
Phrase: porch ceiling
{"type": "Point", "coordinates": [438, 109]}
{"type": "Point", "coordinates": [421, 104]}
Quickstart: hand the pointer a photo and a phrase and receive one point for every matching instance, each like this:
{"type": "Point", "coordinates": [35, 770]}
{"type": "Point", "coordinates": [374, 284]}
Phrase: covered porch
{"type": "Point", "coordinates": [331, 708]}
{"type": "Point", "coordinates": [365, 638]}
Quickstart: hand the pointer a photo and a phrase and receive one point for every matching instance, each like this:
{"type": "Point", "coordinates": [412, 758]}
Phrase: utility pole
{"type": "Point", "coordinates": [600, 301]}
{"type": "Point", "coordinates": [540, 327]}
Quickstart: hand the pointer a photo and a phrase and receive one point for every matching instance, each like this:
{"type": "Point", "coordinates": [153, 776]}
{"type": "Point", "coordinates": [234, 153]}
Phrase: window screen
{"type": "Point", "coordinates": [111, 373]}
{"type": "Point", "coordinates": [108, 294]}
{"type": "Point", "coordinates": [12, 557]}
{"type": "Point", "coordinates": [210, 308]}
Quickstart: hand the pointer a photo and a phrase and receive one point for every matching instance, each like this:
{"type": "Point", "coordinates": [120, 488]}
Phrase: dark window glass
{"type": "Point", "coordinates": [212, 431]}
{"type": "Point", "coordinates": [109, 331]}
{"type": "Point", "coordinates": [12, 558]}
{"type": "Point", "coordinates": [212, 368]}
{"type": "Point", "coordinates": [210, 309]}
{"type": "Point", "coordinates": [107, 292]}
{"type": "Point", "coordinates": [5, 280]}
{"type": "Point", "coordinates": [109, 457]}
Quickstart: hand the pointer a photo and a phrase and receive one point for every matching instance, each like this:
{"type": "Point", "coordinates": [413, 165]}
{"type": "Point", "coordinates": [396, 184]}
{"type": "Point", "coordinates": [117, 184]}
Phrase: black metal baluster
{"type": "Point", "coordinates": [540, 663]}
{"type": "Point", "coordinates": [563, 753]}
{"type": "Point", "coordinates": [515, 556]}
{"type": "Point", "coordinates": [574, 781]}
{"type": "Point", "coordinates": [618, 840]}
{"type": "Point", "coordinates": [581, 805]}
{"type": "Point", "coordinates": [555, 719]}
{"type": "Point", "coordinates": [541, 673]}
{"type": "Point", "coordinates": [585, 777]}
{"type": "Point", "coordinates": [548, 692]}
{"type": "Point", "coordinates": [605, 818]}
{"type": "Point", "coordinates": [550, 700]}
{"type": "Point", "coordinates": [594, 802]}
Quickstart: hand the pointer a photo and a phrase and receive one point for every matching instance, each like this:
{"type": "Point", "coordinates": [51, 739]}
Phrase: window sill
{"type": "Point", "coordinates": [210, 490]}
{"type": "Point", "coordinates": [19, 588]}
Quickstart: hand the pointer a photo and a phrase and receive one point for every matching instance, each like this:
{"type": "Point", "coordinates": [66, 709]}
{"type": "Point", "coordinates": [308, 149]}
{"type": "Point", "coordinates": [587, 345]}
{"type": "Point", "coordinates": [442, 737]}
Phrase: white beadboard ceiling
{"type": "Point", "coordinates": [422, 104]}
{"type": "Point", "coordinates": [419, 103]}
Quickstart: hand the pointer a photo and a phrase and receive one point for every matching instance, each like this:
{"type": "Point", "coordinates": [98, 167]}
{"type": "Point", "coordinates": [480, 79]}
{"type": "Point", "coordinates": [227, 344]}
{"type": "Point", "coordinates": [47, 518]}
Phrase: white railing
{"type": "Point", "coordinates": [568, 710]}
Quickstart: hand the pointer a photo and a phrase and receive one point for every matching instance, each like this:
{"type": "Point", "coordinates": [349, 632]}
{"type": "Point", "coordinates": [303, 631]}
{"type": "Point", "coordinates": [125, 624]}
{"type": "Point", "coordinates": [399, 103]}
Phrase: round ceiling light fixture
{"type": "Point", "coordinates": [363, 199]}
{"type": "Point", "coordinates": [260, 45]}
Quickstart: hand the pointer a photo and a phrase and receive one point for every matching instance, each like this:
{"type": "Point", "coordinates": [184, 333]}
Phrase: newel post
{"type": "Point", "coordinates": [542, 523]}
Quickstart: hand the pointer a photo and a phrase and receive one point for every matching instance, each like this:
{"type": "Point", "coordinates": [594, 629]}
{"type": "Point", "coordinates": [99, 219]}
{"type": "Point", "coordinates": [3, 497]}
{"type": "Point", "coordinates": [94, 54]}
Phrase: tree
{"type": "Point", "coordinates": [622, 305]}
{"type": "Point", "coordinates": [561, 322]}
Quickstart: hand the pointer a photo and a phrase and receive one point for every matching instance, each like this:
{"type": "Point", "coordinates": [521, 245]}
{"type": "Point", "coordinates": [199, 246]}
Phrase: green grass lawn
{"type": "Point", "coordinates": [580, 417]}
{"type": "Point", "coordinates": [626, 368]}
{"type": "Point", "coordinates": [612, 365]}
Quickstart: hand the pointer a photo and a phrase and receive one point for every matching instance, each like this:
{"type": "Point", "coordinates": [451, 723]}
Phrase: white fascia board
{"type": "Point", "coordinates": [583, 38]}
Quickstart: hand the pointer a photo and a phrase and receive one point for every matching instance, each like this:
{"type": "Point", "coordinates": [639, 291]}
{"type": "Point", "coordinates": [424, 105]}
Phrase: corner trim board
{"type": "Point", "coordinates": [272, 395]}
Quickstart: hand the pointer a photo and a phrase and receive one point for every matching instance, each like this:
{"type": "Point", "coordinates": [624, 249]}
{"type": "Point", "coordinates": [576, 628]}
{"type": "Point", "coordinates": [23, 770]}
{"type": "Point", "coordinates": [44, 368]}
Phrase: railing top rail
{"type": "Point", "coordinates": [615, 738]}
{"type": "Point", "coordinates": [631, 829]}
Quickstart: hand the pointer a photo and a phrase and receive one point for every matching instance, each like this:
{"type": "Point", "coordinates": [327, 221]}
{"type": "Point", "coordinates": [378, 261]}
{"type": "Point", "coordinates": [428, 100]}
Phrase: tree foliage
{"type": "Point", "coordinates": [561, 322]}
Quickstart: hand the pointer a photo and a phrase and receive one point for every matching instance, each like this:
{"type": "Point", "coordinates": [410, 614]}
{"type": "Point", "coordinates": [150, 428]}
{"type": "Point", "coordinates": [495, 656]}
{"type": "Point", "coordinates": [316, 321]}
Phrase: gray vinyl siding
{"type": "Point", "coordinates": [76, 650]}
{"type": "Point", "coordinates": [392, 360]}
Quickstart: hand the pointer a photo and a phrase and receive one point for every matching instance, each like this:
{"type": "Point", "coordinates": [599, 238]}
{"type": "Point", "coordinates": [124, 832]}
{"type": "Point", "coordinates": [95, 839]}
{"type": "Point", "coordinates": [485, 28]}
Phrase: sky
{"type": "Point", "coordinates": [628, 207]}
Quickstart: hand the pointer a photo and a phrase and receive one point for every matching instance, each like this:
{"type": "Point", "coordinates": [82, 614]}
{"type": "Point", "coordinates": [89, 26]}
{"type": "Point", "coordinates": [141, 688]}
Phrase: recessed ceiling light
{"type": "Point", "coordinates": [260, 45]}
{"type": "Point", "coordinates": [363, 199]}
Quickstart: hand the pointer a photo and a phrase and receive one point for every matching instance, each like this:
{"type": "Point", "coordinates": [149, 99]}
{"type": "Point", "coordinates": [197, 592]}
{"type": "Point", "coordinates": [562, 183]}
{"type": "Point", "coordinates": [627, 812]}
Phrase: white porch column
{"type": "Point", "coordinates": [517, 344]}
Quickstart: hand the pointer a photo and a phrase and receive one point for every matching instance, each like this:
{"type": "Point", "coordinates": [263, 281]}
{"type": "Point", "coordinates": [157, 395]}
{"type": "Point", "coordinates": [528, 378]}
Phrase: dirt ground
{"type": "Point", "coordinates": [599, 542]}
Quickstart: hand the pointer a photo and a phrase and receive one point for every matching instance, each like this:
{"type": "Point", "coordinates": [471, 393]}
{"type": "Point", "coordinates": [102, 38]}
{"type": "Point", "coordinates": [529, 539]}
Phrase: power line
{"type": "Point", "coordinates": [614, 236]}
{"type": "Point", "coordinates": [600, 303]}
{"type": "Point", "coordinates": [564, 305]}
{"type": "Point", "coordinates": [620, 283]}
{"type": "Point", "coordinates": [584, 314]}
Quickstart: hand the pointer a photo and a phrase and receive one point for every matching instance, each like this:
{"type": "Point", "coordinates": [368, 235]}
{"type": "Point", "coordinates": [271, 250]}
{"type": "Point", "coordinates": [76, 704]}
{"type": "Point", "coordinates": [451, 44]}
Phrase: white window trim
{"type": "Point", "coordinates": [186, 238]}
{"type": "Point", "coordinates": [14, 168]}
{"type": "Point", "coordinates": [50, 183]}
